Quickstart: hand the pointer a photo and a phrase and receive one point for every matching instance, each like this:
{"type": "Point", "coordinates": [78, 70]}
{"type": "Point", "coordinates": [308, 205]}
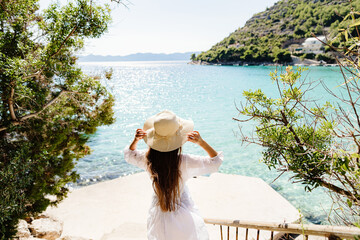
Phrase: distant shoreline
{"type": "Point", "coordinates": [297, 62]}
{"type": "Point", "coordinates": [138, 57]}
{"type": "Point", "coordinates": [134, 61]}
{"type": "Point", "coordinates": [301, 63]}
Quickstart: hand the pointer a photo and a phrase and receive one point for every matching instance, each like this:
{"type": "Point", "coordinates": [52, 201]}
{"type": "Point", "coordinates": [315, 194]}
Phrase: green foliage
{"type": "Point", "coordinates": [109, 73]}
{"type": "Point", "coordinates": [316, 142]}
{"type": "Point", "coordinates": [231, 40]}
{"type": "Point", "coordinates": [299, 31]}
{"type": "Point", "coordinates": [308, 56]}
{"type": "Point", "coordinates": [193, 57]}
{"type": "Point", "coordinates": [281, 55]}
{"type": "Point", "coordinates": [303, 137]}
{"type": "Point", "coordinates": [278, 25]}
{"type": "Point", "coordinates": [49, 106]}
{"type": "Point", "coordinates": [325, 57]}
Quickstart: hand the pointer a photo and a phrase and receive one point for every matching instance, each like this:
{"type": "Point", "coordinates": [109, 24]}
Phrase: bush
{"type": "Point", "coordinates": [309, 55]}
{"type": "Point", "coordinates": [299, 31]}
{"type": "Point", "coordinates": [325, 57]}
{"type": "Point", "coordinates": [281, 55]}
{"type": "Point", "coordinates": [49, 106]}
{"type": "Point", "coordinates": [231, 40]}
{"type": "Point", "coordinates": [310, 138]}
{"type": "Point", "coordinates": [286, 20]}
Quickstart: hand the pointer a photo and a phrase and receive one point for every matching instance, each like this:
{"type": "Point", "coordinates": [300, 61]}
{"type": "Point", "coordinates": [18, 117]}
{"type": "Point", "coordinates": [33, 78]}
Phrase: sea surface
{"type": "Point", "coordinates": [209, 95]}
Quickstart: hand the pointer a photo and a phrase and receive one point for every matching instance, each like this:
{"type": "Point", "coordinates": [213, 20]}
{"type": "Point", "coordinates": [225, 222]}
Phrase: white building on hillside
{"type": "Point", "coordinates": [313, 45]}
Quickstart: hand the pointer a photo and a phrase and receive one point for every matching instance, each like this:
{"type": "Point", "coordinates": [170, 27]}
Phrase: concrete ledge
{"type": "Point", "coordinates": [117, 209]}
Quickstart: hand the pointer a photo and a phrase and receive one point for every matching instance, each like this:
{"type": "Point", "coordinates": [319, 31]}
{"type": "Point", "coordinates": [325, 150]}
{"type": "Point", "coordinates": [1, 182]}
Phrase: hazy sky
{"type": "Point", "coordinates": [168, 26]}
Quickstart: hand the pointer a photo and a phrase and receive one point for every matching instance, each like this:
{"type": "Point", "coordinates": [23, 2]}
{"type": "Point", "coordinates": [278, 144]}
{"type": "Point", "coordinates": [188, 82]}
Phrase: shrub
{"type": "Point", "coordinates": [49, 105]}
{"type": "Point", "coordinates": [309, 55]}
{"type": "Point", "coordinates": [325, 57]}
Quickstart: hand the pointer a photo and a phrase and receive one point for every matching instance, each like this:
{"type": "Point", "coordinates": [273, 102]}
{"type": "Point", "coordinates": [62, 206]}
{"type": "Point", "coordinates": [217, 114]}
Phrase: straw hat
{"type": "Point", "coordinates": [166, 132]}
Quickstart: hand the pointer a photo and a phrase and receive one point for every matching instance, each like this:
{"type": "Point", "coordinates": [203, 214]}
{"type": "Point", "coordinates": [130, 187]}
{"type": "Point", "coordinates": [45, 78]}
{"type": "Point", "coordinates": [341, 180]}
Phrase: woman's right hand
{"type": "Point", "coordinates": [140, 134]}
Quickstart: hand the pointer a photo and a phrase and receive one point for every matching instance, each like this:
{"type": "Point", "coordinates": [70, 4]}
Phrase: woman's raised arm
{"type": "Point", "coordinates": [140, 134]}
{"type": "Point", "coordinates": [195, 137]}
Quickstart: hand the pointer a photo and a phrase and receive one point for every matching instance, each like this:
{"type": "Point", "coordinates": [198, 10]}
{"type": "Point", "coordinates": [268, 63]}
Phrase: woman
{"type": "Point", "coordinates": [172, 215]}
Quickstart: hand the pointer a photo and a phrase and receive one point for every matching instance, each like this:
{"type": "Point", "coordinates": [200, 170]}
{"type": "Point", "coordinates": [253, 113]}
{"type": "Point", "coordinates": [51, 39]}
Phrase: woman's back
{"type": "Point", "coordinates": [172, 215]}
{"type": "Point", "coordinates": [185, 223]}
{"type": "Point", "coordinates": [190, 166]}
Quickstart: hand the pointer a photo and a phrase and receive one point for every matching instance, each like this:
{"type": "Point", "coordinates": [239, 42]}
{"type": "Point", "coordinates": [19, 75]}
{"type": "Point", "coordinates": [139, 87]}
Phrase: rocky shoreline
{"type": "Point", "coordinates": [296, 61]}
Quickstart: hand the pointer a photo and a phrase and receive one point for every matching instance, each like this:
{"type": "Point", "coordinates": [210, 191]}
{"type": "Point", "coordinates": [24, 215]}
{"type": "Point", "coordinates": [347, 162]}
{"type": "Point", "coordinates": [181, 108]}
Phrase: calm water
{"type": "Point", "coordinates": [206, 94]}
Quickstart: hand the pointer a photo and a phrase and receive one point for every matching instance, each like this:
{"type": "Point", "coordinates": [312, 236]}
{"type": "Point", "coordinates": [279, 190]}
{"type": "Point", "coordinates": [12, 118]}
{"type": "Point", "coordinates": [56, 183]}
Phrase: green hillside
{"type": "Point", "coordinates": [267, 35]}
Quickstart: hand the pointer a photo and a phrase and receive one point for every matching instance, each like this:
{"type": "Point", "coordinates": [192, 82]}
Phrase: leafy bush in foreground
{"type": "Point", "coordinates": [48, 106]}
{"type": "Point", "coordinates": [318, 143]}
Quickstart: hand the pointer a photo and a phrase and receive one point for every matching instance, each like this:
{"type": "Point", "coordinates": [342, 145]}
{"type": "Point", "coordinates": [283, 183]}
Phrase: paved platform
{"type": "Point", "coordinates": [117, 209]}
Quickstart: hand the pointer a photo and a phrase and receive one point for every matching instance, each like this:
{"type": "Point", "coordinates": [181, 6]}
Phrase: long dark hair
{"type": "Point", "coordinates": [165, 170]}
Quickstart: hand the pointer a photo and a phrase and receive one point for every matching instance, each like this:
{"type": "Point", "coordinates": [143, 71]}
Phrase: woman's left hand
{"type": "Point", "coordinates": [140, 134]}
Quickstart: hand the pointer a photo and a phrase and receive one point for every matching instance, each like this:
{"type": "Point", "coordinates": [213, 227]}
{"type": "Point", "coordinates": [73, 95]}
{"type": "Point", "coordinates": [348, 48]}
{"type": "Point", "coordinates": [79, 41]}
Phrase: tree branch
{"type": "Point", "coordinates": [336, 189]}
{"type": "Point", "coordinates": [2, 6]}
{"type": "Point", "coordinates": [62, 44]}
{"type": "Point", "coordinates": [44, 107]}
{"type": "Point", "coordinates": [11, 104]}
{"type": "Point", "coordinates": [20, 120]}
{"type": "Point", "coordinates": [37, 74]}
{"type": "Point", "coordinates": [253, 115]}
{"type": "Point", "coordinates": [286, 122]}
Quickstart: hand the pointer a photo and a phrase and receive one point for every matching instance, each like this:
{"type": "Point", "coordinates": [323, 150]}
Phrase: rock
{"type": "Point", "coordinates": [73, 238]}
{"type": "Point", "coordinates": [42, 216]}
{"type": "Point", "coordinates": [46, 228]}
{"type": "Point", "coordinates": [23, 230]}
{"type": "Point", "coordinates": [29, 238]}
{"type": "Point", "coordinates": [29, 219]}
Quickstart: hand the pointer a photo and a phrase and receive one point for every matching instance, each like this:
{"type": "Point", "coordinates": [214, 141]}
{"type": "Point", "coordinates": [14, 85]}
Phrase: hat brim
{"type": "Point", "coordinates": [170, 143]}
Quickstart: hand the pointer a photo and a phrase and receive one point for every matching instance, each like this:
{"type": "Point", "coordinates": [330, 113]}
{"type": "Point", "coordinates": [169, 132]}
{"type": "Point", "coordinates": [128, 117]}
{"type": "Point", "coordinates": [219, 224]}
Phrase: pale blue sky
{"type": "Point", "coordinates": [168, 26]}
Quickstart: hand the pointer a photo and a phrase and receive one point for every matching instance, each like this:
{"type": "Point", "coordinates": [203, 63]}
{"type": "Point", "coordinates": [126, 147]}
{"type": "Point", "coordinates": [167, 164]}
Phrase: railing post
{"type": "Point", "coordinates": [221, 232]}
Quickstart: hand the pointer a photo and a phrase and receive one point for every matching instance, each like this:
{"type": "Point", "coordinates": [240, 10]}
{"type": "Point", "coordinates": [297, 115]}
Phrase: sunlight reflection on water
{"type": "Point", "coordinates": [205, 94]}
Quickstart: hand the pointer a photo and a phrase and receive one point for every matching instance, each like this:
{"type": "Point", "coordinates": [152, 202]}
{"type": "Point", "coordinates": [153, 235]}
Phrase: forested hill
{"type": "Point", "coordinates": [266, 36]}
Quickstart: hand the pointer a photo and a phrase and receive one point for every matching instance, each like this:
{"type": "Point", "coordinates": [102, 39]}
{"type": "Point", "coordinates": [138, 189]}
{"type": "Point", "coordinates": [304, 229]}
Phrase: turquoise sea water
{"type": "Point", "coordinates": [206, 94]}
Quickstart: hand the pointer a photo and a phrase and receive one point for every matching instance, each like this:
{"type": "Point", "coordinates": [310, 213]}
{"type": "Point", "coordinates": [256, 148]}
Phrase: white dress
{"type": "Point", "coordinates": [185, 223]}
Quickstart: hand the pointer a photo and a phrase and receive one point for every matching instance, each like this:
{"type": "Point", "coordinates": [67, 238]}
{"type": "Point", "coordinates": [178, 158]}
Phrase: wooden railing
{"type": "Point", "coordinates": [285, 230]}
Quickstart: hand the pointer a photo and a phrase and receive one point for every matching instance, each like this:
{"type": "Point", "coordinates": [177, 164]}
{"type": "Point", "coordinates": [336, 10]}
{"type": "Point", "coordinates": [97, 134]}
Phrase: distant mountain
{"type": "Point", "coordinates": [267, 36]}
{"type": "Point", "coordinates": [138, 57]}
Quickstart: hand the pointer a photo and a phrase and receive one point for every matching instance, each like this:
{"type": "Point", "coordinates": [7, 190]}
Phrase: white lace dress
{"type": "Point", "coordinates": [185, 223]}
